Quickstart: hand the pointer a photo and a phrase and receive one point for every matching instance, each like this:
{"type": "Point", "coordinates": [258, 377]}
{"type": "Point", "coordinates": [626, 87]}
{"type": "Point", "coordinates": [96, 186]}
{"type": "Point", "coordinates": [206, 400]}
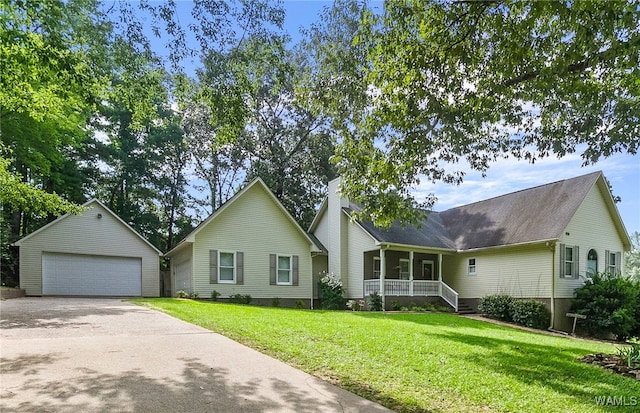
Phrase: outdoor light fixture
{"type": "Point", "coordinates": [99, 216]}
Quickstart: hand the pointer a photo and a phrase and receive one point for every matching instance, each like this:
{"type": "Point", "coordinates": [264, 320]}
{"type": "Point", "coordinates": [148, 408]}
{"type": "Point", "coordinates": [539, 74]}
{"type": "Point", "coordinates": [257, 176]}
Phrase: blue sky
{"type": "Point", "coordinates": [622, 170]}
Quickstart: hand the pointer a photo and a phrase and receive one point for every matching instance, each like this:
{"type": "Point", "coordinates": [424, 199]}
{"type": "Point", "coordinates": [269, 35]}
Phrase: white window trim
{"type": "Point", "coordinates": [400, 261]}
{"type": "Point", "coordinates": [278, 282]}
{"type": "Point", "coordinates": [475, 266]}
{"type": "Point", "coordinates": [379, 271]}
{"type": "Point", "coordinates": [613, 268]}
{"type": "Point", "coordinates": [572, 261]}
{"type": "Point", "coordinates": [235, 268]}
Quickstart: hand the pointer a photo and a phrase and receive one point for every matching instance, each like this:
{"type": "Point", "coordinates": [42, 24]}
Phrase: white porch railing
{"type": "Point", "coordinates": [421, 288]}
{"type": "Point", "coordinates": [449, 295]}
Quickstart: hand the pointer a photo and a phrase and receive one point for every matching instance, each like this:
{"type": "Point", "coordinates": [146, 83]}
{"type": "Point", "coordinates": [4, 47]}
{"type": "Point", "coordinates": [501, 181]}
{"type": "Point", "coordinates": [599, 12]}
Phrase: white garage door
{"type": "Point", "coordinates": [73, 274]}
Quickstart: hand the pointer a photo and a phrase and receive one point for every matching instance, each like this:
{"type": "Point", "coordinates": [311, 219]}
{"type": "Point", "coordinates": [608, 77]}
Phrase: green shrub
{"type": "Point", "coordinates": [355, 305]}
{"type": "Point", "coordinates": [240, 298]}
{"type": "Point", "coordinates": [395, 306]}
{"type": "Point", "coordinates": [496, 306]}
{"type": "Point", "coordinates": [215, 295]}
{"type": "Point", "coordinates": [330, 292]}
{"type": "Point", "coordinates": [530, 313]}
{"type": "Point", "coordinates": [299, 304]}
{"type": "Point", "coordinates": [630, 355]}
{"type": "Point", "coordinates": [434, 307]}
{"type": "Point", "coordinates": [184, 294]}
{"type": "Point", "coordinates": [610, 303]}
{"type": "Point", "coordinates": [375, 302]}
{"type": "Point", "coordinates": [275, 302]}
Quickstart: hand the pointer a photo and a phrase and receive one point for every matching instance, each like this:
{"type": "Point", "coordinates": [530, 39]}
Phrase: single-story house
{"type": "Point", "coordinates": [92, 254]}
{"type": "Point", "coordinates": [537, 243]}
{"type": "Point", "coordinates": [251, 246]}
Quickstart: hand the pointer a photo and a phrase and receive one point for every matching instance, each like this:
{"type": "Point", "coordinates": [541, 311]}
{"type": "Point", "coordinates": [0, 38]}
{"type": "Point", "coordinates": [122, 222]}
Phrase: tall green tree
{"type": "Point", "coordinates": [61, 60]}
{"type": "Point", "coordinates": [632, 258]}
{"type": "Point", "coordinates": [169, 158]}
{"type": "Point", "coordinates": [289, 147]}
{"type": "Point", "coordinates": [441, 83]}
{"type": "Point", "coordinates": [219, 167]}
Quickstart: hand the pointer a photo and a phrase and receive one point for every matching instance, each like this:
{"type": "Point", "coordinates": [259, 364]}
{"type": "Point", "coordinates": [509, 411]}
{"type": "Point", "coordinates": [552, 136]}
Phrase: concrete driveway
{"type": "Point", "coordinates": [72, 355]}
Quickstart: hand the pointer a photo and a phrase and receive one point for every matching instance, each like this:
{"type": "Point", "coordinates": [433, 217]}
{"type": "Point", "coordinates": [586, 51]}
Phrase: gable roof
{"type": "Point", "coordinates": [190, 238]}
{"type": "Point", "coordinates": [86, 205]}
{"type": "Point", "coordinates": [535, 214]}
{"type": "Point", "coordinates": [431, 234]}
{"type": "Point", "coordinates": [531, 215]}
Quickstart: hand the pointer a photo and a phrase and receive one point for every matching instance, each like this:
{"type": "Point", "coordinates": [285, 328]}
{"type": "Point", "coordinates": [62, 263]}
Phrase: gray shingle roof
{"type": "Point", "coordinates": [534, 214]}
{"type": "Point", "coordinates": [432, 233]}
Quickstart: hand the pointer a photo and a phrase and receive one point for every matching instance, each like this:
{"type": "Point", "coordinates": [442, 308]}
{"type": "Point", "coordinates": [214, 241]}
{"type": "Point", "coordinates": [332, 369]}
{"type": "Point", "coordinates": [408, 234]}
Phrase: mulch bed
{"type": "Point", "coordinates": [613, 363]}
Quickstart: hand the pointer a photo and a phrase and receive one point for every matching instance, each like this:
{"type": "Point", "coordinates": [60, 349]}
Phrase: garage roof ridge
{"type": "Point", "coordinates": [86, 204]}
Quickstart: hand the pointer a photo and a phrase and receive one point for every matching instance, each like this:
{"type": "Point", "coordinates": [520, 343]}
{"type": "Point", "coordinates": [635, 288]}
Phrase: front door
{"type": "Point", "coordinates": [428, 272]}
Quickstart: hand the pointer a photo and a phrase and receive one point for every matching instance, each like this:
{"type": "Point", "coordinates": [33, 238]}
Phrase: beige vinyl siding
{"type": "Point", "coordinates": [592, 227]}
{"type": "Point", "coordinates": [88, 235]}
{"type": "Point", "coordinates": [255, 225]}
{"type": "Point", "coordinates": [320, 265]}
{"type": "Point", "coordinates": [322, 229]}
{"type": "Point", "coordinates": [359, 242]}
{"type": "Point", "coordinates": [522, 271]}
{"type": "Point", "coordinates": [337, 223]}
{"type": "Point", "coordinates": [180, 257]}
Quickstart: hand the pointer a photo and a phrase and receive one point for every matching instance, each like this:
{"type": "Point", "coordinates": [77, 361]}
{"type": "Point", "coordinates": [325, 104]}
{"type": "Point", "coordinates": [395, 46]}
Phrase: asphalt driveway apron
{"type": "Point", "coordinates": [88, 355]}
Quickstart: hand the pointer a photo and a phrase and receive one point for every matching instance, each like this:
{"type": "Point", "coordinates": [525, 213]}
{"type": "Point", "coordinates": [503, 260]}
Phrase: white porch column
{"type": "Point", "coordinates": [383, 274]}
{"type": "Point", "coordinates": [411, 273]}
{"type": "Point", "coordinates": [440, 274]}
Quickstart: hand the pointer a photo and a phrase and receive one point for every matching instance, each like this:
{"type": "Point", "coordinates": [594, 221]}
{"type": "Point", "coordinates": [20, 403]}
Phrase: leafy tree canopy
{"type": "Point", "coordinates": [17, 194]}
{"type": "Point", "coordinates": [448, 82]}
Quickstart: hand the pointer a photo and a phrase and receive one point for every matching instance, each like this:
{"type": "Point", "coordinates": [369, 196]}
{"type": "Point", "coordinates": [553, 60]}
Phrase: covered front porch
{"type": "Point", "coordinates": [402, 272]}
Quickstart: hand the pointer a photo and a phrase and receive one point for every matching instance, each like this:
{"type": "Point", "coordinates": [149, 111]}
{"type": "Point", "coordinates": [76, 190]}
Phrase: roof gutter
{"type": "Point", "coordinates": [544, 241]}
{"type": "Point", "coordinates": [388, 245]}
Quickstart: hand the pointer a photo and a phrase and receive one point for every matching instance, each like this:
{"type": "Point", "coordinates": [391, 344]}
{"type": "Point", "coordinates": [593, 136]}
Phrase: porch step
{"type": "Point", "coordinates": [465, 309]}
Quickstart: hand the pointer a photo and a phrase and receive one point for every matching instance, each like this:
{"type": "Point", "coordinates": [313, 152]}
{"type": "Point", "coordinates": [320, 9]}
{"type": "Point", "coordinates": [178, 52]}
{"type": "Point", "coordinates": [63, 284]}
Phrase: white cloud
{"type": "Point", "coordinates": [510, 175]}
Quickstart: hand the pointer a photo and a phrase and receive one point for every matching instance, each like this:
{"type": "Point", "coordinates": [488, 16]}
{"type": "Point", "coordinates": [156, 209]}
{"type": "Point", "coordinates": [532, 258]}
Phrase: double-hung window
{"type": "Point", "coordinates": [226, 267]}
{"type": "Point", "coordinates": [284, 270]}
{"type": "Point", "coordinates": [471, 266]}
{"type": "Point", "coordinates": [569, 261]}
{"type": "Point", "coordinates": [613, 263]}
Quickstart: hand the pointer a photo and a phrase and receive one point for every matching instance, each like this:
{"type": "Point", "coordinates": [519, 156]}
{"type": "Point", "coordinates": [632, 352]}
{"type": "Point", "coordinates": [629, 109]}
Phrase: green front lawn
{"type": "Point", "coordinates": [422, 362]}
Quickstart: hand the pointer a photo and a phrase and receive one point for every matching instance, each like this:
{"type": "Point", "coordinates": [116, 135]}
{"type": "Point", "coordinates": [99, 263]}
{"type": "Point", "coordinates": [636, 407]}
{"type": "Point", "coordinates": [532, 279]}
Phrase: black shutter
{"type": "Point", "coordinates": [294, 269]}
{"type": "Point", "coordinates": [272, 269]}
{"type": "Point", "coordinates": [239, 267]}
{"type": "Point", "coordinates": [213, 266]}
{"type": "Point", "coordinates": [562, 255]}
{"type": "Point", "coordinates": [576, 259]}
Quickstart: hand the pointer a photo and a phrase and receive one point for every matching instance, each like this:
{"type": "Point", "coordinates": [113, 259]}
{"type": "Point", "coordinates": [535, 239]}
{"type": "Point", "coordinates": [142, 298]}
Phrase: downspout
{"type": "Point", "coordinates": [312, 283]}
{"type": "Point", "coordinates": [552, 247]}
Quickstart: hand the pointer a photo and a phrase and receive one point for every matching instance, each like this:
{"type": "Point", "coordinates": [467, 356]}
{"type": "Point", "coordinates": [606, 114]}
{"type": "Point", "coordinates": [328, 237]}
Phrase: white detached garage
{"type": "Point", "coordinates": [92, 254]}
